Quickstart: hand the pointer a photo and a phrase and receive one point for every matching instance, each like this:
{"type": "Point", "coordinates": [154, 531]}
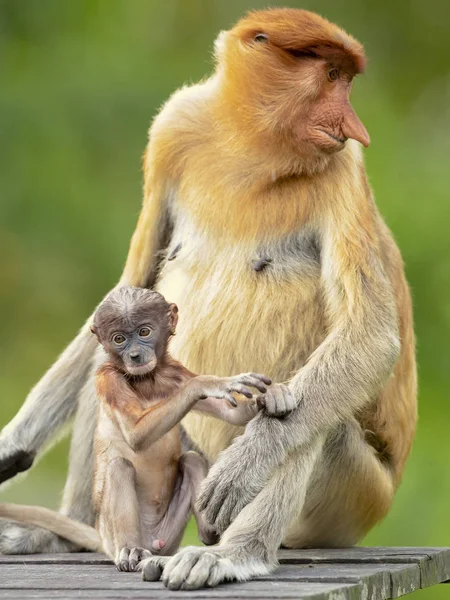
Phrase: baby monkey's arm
{"type": "Point", "coordinates": [238, 412]}
{"type": "Point", "coordinates": [142, 427]}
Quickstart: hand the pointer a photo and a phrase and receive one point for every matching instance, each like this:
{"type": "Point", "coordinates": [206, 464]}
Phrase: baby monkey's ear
{"type": "Point", "coordinates": [94, 330]}
{"type": "Point", "coordinates": [173, 318]}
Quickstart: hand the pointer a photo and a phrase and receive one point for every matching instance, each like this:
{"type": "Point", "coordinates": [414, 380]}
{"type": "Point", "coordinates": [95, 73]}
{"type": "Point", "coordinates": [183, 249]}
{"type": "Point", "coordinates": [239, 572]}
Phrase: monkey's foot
{"type": "Point", "coordinates": [193, 568]}
{"type": "Point", "coordinates": [18, 539]}
{"type": "Point", "coordinates": [130, 558]}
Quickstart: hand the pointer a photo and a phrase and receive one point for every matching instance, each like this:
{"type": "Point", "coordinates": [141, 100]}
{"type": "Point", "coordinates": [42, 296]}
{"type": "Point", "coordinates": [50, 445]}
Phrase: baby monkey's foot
{"type": "Point", "coordinates": [129, 558]}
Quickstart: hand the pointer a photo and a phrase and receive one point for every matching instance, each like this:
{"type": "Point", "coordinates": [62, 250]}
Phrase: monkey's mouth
{"type": "Point", "coordinates": [141, 369]}
{"type": "Point", "coordinates": [339, 140]}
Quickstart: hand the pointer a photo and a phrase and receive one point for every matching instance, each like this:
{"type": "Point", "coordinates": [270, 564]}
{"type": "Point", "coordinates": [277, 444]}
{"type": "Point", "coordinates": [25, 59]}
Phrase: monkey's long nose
{"type": "Point", "coordinates": [353, 128]}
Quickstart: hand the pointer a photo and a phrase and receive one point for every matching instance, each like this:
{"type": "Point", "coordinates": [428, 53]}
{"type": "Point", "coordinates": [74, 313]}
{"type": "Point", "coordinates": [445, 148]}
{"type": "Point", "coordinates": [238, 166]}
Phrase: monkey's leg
{"type": "Point", "coordinates": [349, 492]}
{"type": "Point", "coordinates": [193, 469]}
{"type": "Point", "coordinates": [77, 499]}
{"type": "Point", "coordinates": [50, 404]}
{"type": "Point", "coordinates": [196, 468]}
{"type": "Point", "coordinates": [249, 546]}
{"type": "Point", "coordinates": [119, 518]}
{"type": "Point", "coordinates": [330, 498]}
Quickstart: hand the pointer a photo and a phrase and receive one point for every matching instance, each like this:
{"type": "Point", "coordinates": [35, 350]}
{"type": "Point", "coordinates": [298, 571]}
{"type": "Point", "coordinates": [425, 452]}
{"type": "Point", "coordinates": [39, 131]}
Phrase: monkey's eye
{"type": "Point", "coordinates": [118, 339]}
{"type": "Point", "coordinates": [261, 37]}
{"type": "Point", "coordinates": [333, 74]}
{"type": "Point", "coordinates": [145, 332]}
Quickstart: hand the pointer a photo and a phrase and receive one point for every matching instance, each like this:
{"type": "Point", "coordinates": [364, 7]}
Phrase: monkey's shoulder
{"type": "Point", "coordinates": [105, 376]}
{"type": "Point", "coordinates": [183, 122]}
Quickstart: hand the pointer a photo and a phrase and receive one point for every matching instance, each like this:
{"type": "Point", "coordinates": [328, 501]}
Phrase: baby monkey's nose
{"type": "Point", "coordinates": [135, 356]}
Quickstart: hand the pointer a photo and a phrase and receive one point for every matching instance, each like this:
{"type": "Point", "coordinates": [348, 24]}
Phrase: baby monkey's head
{"type": "Point", "coordinates": [134, 326]}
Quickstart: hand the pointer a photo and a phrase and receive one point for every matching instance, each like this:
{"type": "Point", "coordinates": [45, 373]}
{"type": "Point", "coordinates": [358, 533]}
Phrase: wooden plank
{"type": "Point", "coordinates": [73, 558]}
{"type": "Point", "coordinates": [237, 591]}
{"type": "Point", "coordinates": [434, 563]}
{"type": "Point", "coordinates": [379, 581]}
{"type": "Point", "coordinates": [341, 574]}
{"type": "Point", "coordinates": [103, 581]}
{"type": "Point", "coordinates": [373, 581]}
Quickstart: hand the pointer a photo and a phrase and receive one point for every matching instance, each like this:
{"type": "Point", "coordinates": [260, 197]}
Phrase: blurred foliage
{"type": "Point", "coordinates": [80, 81]}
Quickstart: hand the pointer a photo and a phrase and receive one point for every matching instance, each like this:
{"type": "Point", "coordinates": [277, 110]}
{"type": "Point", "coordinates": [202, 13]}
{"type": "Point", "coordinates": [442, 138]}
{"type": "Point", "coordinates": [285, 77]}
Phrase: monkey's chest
{"type": "Point", "coordinates": [243, 307]}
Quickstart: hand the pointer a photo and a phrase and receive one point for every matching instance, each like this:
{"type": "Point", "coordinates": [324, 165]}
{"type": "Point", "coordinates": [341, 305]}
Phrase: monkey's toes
{"type": "Point", "coordinates": [152, 572]}
{"type": "Point", "coordinates": [137, 555]}
{"type": "Point", "coordinates": [152, 568]}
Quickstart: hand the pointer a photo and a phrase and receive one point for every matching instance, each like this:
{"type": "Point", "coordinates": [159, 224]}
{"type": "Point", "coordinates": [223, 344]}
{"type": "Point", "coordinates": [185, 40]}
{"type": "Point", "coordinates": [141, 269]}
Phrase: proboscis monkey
{"type": "Point", "coordinates": [255, 188]}
{"type": "Point", "coordinates": [144, 487]}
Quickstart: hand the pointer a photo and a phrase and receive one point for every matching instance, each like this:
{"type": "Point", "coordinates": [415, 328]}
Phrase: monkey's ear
{"type": "Point", "coordinates": [94, 330]}
{"type": "Point", "coordinates": [173, 318]}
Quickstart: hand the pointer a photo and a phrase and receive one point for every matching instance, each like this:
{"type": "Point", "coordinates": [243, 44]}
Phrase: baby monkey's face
{"type": "Point", "coordinates": [134, 326]}
{"type": "Point", "coordinates": [136, 348]}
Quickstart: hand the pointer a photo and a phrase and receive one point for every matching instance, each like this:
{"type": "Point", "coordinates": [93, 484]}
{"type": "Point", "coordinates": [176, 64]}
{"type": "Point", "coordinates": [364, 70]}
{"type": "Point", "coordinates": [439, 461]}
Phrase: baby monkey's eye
{"type": "Point", "coordinates": [333, 74]}
{"type": "Point", "coordinates": [145, 331]}
{"type": "Point", "coordinates": [118, 339]}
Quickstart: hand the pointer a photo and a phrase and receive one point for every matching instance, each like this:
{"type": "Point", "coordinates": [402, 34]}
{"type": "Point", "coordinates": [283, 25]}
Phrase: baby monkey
{"type": "Point", "coordinates": [144, 486]}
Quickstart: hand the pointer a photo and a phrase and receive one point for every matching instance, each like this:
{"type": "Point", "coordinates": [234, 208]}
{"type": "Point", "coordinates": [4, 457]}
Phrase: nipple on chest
{"type": "Point", "coordinates": [259, 264]}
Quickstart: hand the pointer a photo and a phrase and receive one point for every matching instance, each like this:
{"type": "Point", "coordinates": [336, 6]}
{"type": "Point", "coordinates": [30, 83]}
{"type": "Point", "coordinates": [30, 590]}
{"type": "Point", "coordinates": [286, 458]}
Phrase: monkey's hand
{"type": "Point", "coordinates": [13, 460]}
{"type": "Point", "coordinates": [223, 387]}
{"type": "Point", "coordinates": [243, 469]}
{"type": "Point", "coordinates": [278, 401]}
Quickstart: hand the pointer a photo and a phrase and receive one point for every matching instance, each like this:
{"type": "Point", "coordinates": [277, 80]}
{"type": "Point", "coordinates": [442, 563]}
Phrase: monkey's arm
{"type": "Point", "coordinates": [142, 427]}
{"type": "Point", "coordinates": [236, 415]}
{"type": "Point", "coordinates": [343, 374]}
{"type": "Point", "coordinates": [355, 360]}
{"type": "Point", "coordinates": [50, 404]}
{"type": "Point", "coordinates": [54, 400]}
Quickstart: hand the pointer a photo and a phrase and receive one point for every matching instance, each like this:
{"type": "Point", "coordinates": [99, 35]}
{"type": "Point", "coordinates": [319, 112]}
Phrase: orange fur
{"type": "Point", "coordinates": [228, 153]}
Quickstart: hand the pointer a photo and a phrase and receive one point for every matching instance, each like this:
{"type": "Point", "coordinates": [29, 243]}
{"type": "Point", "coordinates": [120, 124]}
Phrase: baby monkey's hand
{"type": "Point", "coordinates": [212, 391]}
{"type": "Point", "coordinates": [209, 386]}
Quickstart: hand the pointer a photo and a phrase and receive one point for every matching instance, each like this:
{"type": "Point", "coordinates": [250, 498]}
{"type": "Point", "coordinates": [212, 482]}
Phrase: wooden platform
{"type": "Point", "coordinates": [351, 574]}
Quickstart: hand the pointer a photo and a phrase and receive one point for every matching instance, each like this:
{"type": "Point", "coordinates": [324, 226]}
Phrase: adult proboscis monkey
{"type": "Point", "coordinates": [258, 221]}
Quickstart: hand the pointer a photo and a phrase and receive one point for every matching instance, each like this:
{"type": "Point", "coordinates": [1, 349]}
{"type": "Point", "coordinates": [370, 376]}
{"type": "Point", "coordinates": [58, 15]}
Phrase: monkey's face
{"type": "Point", "coordinates": [292, 73]}
{"type": "Point", "coordinates": [134, 326]}
{"type": "Point", "coordinates": [136, 349]}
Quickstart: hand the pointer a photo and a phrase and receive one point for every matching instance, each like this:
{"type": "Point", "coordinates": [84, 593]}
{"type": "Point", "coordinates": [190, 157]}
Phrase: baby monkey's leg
{"type": "Point", "coordinates": [196, 468]}
{"type": "Point", "coordinates": [170, 529]}
{"type": "Point", "coordinates": [119, 517]}
{"type": "Point", "coordinates": [193, 469]}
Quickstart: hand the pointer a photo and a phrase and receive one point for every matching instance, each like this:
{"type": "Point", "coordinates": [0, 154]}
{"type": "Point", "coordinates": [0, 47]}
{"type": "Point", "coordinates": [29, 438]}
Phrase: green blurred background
{"type": "Point", "coordinates": [80, 81]}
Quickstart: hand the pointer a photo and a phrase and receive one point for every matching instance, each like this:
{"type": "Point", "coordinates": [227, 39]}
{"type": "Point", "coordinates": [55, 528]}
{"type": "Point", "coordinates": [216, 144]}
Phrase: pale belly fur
{"type": "Point", "coordinates": [233, 319]}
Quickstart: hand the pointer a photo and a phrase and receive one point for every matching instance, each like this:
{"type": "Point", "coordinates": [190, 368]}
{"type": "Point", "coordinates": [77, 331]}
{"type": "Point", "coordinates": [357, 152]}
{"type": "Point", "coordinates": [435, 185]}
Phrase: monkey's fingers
{"type": "Point", "coordinates": [262, 377]}
{"type": "Point", "coordinates": [225, 396]}
{"type": "Point", "coordinates": [261, 402]}
{"type": "Point", "coordinates": [253, 382]}
{"type": "Point", "coordinates": [240, 389]}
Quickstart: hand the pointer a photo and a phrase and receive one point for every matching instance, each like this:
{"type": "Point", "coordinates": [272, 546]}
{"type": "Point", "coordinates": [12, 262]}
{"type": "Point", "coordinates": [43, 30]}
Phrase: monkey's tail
{"type": "Point", "coordinates": [79, 533]}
